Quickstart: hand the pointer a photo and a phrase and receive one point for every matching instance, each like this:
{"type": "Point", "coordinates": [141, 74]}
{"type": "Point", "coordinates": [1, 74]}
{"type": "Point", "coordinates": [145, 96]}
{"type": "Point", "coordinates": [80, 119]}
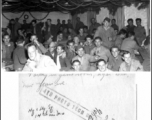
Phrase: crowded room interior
{"type": "Point", "coordinates": [75, 35]}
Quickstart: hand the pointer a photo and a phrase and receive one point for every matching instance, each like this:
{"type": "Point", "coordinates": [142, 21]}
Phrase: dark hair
{"type": "Point", "coordinates": [138, 19]}
{"type": "Point", "coordinates": [6, 35]}
{"type": "Point", "coordinates": [49, 19]}
{"type": "Point", "coordinates": [122, 31]}
{"type": "Point", "coordinates": [20, 40]}
{"type": "Point", "coordinates": [97, 38]}
{"type": "Point", "coordinates": [114, 20]}
{"type": "Point", "coordinates": [70, 41]}
{"type": "Point", "coordinates": [33, 35]}
{"type": "Point", "coordinates": [101, 60]}
{"type": "Point", "coordinates": [60, 32]}
{"type": "Point", "coordinates": [62, 46]}
{"type": "Point", "coordinates": [131, 33]}
{"type": "Point", "coordinates": [89, 36]}
{"type": "Point", "coordinates": [114, 47]}
{"type": "Point", "coordinates": [130, 20]}
{"type": "Point", "coordinates": [30, 45]}
{"type": "Point", "coordinates": [85, 27]}
{"type": "Point", "coordinates": [124, 52]}
{"type": "Point", "coordinates": [34, 21]}
{"type": "Point", "coordinates": [76, 61]}
{"type": "Point", "coordinates": [107, 19]}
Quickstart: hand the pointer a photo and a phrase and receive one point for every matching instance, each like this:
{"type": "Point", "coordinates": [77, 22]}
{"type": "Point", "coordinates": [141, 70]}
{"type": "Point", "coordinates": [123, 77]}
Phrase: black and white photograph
{"type": "Point", "coordinates": [75, 35]}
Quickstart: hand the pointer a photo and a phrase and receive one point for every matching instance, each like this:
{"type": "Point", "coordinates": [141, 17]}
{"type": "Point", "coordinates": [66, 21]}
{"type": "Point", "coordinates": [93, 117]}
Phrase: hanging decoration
{"type": "Point", "coordinates": [74, 6]}
{"type": "Point", "coordinates": [26, 17]}
{"type": "Point", "coordinates": [41, 18]}
{"type": "Point", "coordinates": [10, 19]}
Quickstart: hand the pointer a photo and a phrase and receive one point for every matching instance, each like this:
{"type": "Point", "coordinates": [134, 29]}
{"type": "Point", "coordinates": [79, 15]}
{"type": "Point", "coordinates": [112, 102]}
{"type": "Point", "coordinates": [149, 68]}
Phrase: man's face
{"type": "Point", "coordinates": [76, 40]}
{"type": "Point", "coordinates": [6, 39]}
{"type": "Point", "coordinates": [115, 52]}
{"type": "Point", "coordinates": [130, 23]}
{"type": "Point", "coordinates": [76, 66]}
{"type": "Point", "coordinates": [113, 22]}
{"type": "Point", "coordinates": [61, 36]}
{"type": "Point", "coordinates": [58, 21]}
{"type": "Point", "coordinates": [69, 37]}
{"type": "Point", "coordinates": [33, 38]}
{"type": "Point", "coordinates": [98, 42]}
{"type": "Point", "coordinates": [59, 50]}
{"type": "Point", "coordinates": [69, 21]}
{"type": "Point", "coordinates": [93, 21]}
{"type": "Point", "coordinates": [102, 66]}
{"type": "Point", "coordinates": [71, 46]}
{"type": "Point", "coordinates": [106, 24]}
{"type": "Point", "coordinates": [138, 23]}
{"type": "Point", "coordinates": [52, 47]}
{"type": "Point", "coordinates": [89, 40]}
{"type": "Point", "coordinates": [12, 22]}
{"type": "Point", "coordinates": [80, 52]}
{"type": "Point", "coordinates": [48, 22]}
{"type": "Point", "coordinates": [33, 23]}
{"type": "Point", "coordinates": [81, 30]}
{"type": "Point", "coordinates": [127, 58]}
{"type": "Point", "coordinates": [122, 35]}
{"type": "Point", "coordinates": [32, 52]}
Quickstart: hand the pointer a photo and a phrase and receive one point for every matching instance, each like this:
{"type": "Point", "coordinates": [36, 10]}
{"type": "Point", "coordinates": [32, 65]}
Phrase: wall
{"type": "Point", "coordinates": [104, 12]}
{"type": "Point", "coordinates": [53, 15]}
{"type": "Point", "coordinates": [133, 12]}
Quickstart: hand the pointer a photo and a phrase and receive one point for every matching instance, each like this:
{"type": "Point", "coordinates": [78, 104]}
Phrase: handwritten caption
{"type": "Point", "coordinates": [44, 111]}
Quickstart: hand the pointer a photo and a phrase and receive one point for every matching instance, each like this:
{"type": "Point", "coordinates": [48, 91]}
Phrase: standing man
{"type": "Point", "coordinates": [19, 55]}
{"type": "Point", "coordinates": [79, 24]}
{"type": "Point", "coordinates": [94, 25]}
{"type": "Point", "coordinates": [140, 32]}
{"type": "Point", "coordinates": [36, 28]}
{"type": "Point", "coordinates": [130, 27]}
{"type": "Point", "coordinates": [107, 33]}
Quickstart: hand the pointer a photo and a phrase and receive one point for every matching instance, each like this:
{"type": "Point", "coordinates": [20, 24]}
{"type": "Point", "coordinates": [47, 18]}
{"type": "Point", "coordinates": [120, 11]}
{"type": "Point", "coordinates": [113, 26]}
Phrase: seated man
{"type": "Point", "coordinates": [62, 61]}
{"type": "Point", "coordinates": [76, 65]}
{"type": "Point", "coordinates": [52, 51]}
{"type": "Point", "coordinates": [120, 37]}
{"type": "Point", "coordinates": [129, 63]}
{"type": "Point", "coordinates": [116, 60]}
{"type": "Point", "coordinates": [41, 48]}
{"type": "Point", "coordinates": [100, 51]}
{"type": "Point", "coordinates": [85, 59]}
{"type": "Point", "coordinates": [70, 52]}
{"type": "Point", "coordinates": [7, 48]}
{"type": "Point", "coordinates": [19, 55]}
{"type": "Point", "coordinates": [38, 62]}
{"type": "Point", "coordinates": [102, 66]}
{"type": "Point", "coordinates": [77, 42]}
{"type": "Point", "coordinates": [89, 45]}
{"type": "Point", "coordinates": [129, 44]}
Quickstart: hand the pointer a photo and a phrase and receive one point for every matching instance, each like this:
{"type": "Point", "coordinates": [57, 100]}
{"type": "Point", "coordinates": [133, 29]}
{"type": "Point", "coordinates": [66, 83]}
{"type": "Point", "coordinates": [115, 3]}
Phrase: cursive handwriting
{"type": "Point", "coordinates": [44, 111]}
{"type": "Point", "coordinates": [95, 115]}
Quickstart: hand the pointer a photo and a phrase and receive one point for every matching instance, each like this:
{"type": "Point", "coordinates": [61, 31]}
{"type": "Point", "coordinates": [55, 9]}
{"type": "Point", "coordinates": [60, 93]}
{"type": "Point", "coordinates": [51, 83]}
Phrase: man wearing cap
{"type": "Point", "coordinates": [19, 56]}
{"type": "Point", "coordinates": [107, 33]}
{"type": "Point", "coordinates": [85, 59]}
